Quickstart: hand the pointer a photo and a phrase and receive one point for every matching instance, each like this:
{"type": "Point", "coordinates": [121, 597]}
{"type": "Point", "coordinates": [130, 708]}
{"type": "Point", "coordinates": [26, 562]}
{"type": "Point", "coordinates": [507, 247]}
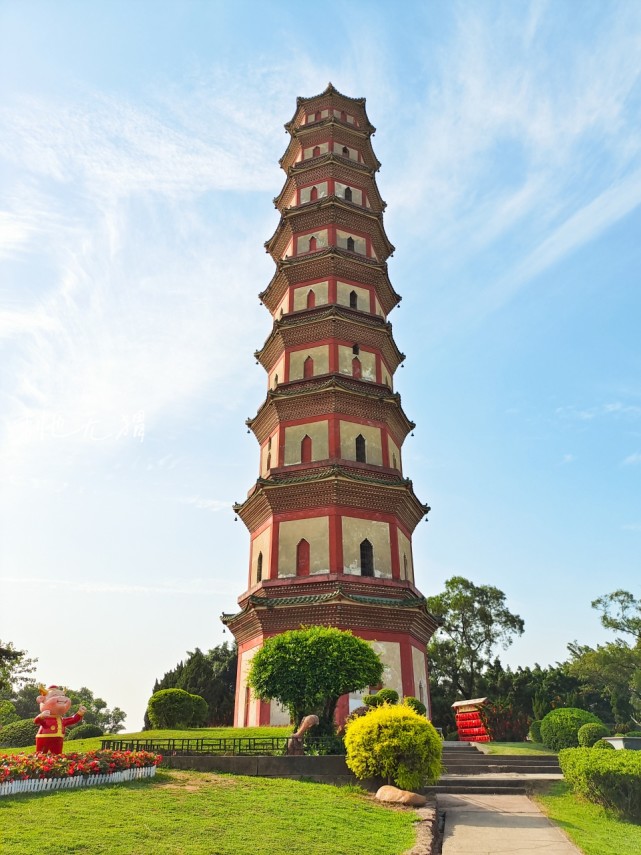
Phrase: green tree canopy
{"type": "Point", "coordinates": [475, 621]}
{"type": "Point", "coordinates": [621, 612]}
{"type": "Point", "coordinates": [109, 720]}
{"type": "Point", "coordinates": [211, 675]}
{"type": "Point", "coordinates": [15, 666]}
{"type": "Point", "coordinates": [307, 670]}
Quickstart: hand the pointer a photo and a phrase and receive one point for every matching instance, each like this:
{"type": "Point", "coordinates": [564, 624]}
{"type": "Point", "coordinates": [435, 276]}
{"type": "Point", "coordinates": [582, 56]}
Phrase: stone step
{"type": "Point", "coordinates": [471, 788]}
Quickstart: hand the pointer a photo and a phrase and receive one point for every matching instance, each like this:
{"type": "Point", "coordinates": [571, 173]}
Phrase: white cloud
{"type": "Point", "coordinates": [633, 459]}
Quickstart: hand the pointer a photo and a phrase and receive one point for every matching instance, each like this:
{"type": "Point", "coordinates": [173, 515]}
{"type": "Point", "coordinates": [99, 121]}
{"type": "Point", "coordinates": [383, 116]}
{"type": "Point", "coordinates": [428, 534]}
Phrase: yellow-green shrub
{"type": "Point", "coordinates": [395, 743]}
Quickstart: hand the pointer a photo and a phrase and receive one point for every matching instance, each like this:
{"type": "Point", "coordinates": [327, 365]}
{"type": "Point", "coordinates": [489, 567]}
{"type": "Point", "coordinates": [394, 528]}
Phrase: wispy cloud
{"type": "Point", "coordinates": [631, 527]}
{"type": "Point", "coordinates": [207, 504]}
{"type": "Point", "coordinates": [633, 459]}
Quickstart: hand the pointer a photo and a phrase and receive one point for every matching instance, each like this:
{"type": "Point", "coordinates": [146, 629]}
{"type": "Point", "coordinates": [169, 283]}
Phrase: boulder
{"type": "Point", "coordinates": [400, 797]}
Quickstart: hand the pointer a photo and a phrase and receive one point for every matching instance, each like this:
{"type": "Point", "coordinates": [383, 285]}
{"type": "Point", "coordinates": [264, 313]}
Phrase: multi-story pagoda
{"type": "Point", "coordinates": [331, 515]}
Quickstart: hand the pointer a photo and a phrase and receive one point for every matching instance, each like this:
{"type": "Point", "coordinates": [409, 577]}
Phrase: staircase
{"type": "Point", "coordinates": [468, 770]}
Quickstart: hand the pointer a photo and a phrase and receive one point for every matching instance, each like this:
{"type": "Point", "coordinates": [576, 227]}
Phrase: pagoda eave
{"type": "Point", "coordinates": [330, 488]}
{"type": "Point", "coordinates": [330, 322]}
{"type": "Point", "coordinates": [316, 397]}
{"type": "Point", "coordinates": [325, 211]}
{"type": "Point", "coordinates": [339, 172]}
{"type": "Point", "coordinates": [330, 262]}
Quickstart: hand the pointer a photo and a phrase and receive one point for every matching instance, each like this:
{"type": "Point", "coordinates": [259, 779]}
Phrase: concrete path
{"type": "Point", "coordinates": [499, 825]}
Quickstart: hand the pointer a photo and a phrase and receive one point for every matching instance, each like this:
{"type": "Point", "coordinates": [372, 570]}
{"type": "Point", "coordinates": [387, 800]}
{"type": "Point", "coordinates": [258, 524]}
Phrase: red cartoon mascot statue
{"type": "Point", "coordinates": [53, 706]}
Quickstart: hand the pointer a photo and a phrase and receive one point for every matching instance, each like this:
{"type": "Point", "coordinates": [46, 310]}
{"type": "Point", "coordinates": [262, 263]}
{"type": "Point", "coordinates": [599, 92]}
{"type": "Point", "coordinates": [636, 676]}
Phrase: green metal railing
{"type": "Point", "coordinates": [237, 746]}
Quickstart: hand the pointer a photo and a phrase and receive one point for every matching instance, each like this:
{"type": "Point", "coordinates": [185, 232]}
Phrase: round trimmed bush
{"type": "Point", "coordinates": [395, 743]}
{"type": "Point", "coordinates": [560, 727]}
{"type": "Point", "coordinates": [535, 730]}
{"type": "Point", "coordinates": [602, 744]}
{"type": "Point", "coordinates": [174, 708]}
{"type": "Point", "coordinates": [387, 696]}
{"type": "Point", "coordinates": [84, 731]}
{"type": "Point", "coordinates": [19, 734]}
{"type": "Point", "coordinates": [416, 705]}
{"type": "Point", "coordinates": [588, 734]}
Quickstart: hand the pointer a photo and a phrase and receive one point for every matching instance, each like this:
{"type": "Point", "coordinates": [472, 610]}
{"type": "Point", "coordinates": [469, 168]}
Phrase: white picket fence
{"type": "Point", "coordinates": [39, 785]}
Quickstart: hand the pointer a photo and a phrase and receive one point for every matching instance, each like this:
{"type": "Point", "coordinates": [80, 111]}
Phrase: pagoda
{"type": "Point", "coordinates": [331, 516]}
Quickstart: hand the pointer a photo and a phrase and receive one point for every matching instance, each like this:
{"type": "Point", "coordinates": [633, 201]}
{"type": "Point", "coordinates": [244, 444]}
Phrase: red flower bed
{"type": "Point", "coordinates": [21, 767]}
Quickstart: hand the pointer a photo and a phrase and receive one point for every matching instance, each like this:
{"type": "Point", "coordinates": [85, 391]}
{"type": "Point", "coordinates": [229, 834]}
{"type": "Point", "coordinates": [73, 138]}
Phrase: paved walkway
{"type": "Point", "coordinates": [499, 825]}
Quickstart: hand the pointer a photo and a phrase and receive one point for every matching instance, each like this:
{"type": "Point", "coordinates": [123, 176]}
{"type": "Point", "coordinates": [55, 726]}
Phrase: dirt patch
{"type": "Point", "coordinates": [191, 782]}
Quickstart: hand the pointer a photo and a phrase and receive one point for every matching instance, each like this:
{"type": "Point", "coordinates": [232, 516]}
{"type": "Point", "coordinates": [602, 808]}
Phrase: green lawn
{"type": "Point", "coordinates": [81, 745]}
{"type": "Point", "coordinates": [191, 813]}
{"type": "Point", "coordinates": [589, 826]}
{"type": "Point", "coordinates": [513, 748]}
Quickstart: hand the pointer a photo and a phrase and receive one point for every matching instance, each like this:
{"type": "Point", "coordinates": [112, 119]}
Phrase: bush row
{"type": "Point", "coordinates": [608, 778]}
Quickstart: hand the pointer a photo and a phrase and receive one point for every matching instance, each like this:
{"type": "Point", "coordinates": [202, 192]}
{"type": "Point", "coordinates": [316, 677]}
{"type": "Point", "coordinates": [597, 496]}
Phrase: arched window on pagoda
{"type": "Point", "coordinates": [353, 300]}
{"type": "Point", "coordinates": [345, 151]}
{"type": "Point", "coordinates": [302, 558]}
{"type": "Point", "coordinates": [311, 299]}
{"type": "Point", "coordinates": [308, 368]}
{"type": "Point", "coordinates": [356, 349]}
{"type": "Point", "coordinates": [275, 380]}
{"type": "Point", "coordinates": [316, 151]}
{"type": "Point", "coordinates": [317, 116]}
{"type": "Point", "coordinates": [361, 453]}
{"type": "Point", "coordinates": [269, 460]}
{"type": "Point", "coordinates": [405, 565]}
{"type": "Point", "coordinates": [350, 244]}
{"type": "Point", "coordinates": [394, 463]}
{"type": "Point", "coordinates": [421, 692]}
{"type": "Point", "coordinates": [348, 194]}
{"type": "Point", "coordinates": [306, 449]}
{"type": "Point", "coordinates": [357, 368]}
{"type": "Point", "coordinates": [313, 194]}
{"type": "Point", "coordinates": [343, 116]}
{"type": "Point", "coordinates": [367, 558]}
{"type": "Point", "coordinates": [312, 243]}
{"type": "Point", "coordinates": [259, 567]}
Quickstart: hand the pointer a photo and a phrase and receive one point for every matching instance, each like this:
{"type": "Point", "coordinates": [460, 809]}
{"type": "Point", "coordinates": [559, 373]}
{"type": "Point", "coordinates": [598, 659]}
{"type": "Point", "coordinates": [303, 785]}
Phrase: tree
{"type": "Point", "coordinates": [211, 675]}
{"type": "Point", "coordinates": [614, 671]}
{"type": "Point", "coordinates": [307, 670]}
{"type": "Point", "coordinates": [175, 708]}
{"type": "Point", "coordinates": [627, 612]}
{"type": "Point", "coordinates": [15, 665]}
{"type": "Point", "coordinates": [475, 620]}
{"type": "Point", "coordinates": [109, 720]}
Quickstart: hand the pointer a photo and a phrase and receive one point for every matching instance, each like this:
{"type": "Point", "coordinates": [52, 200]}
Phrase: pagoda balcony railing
{"type": "Point", "coordinates": [226, 746]}
{"type": "Point", "coordinates": [332, 250]}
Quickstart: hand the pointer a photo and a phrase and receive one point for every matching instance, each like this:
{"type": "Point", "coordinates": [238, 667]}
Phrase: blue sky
{"type": "Point", "coordinates": [138, 163]}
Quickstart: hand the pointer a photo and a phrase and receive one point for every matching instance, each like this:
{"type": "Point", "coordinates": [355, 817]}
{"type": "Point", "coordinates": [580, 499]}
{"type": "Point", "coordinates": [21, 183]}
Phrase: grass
{"type": "Point", "coordinates": [527, 748]}
{"type": "Point", "coordinates": [93, 744]}
{"type": "Point", "coordinates": [589, 826]}
{"type": "Point", "coordinates": [191, 813]}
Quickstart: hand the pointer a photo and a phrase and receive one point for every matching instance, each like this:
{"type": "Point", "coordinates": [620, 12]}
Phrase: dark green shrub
{"type": "Point", "coordinates": [372, 701]}
{"type": "Point", "coordinates": [19, 734]}
{"type": "Point", "coordinates": [451, 736]}
{"type": "Point", "coordinates": [84, 731]}
{"type": "Point", "coordinates": [588, 734]}
{"type": "Point", "coordinates": [610, 779]}
{"type": "Point", "coordinates": [8, 714]}
{"type": "Point", "coordinates": [535, 730]}
{"type": "Point", "coordinates": [387, 696]}
{"type": "Point", "coordinates": [175, 708]}
{"type": "Point", "coordinates": [603, 744]}
{"type": "Point", "coordinates": [396, 743]}
{"type": "Point", "coordinates": [199, 711]}
{"type": "Point", "coordinates": [633, 733]}
{"type": "Point", "coordinates": [560, 727]}
{"type": "Point", "coordinates": [416, 705]}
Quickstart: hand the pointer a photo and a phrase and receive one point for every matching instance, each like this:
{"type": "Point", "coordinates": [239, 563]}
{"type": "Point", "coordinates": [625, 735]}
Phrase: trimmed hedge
{"type": "Point", "coordinates": [395, 743]}
{"type": "Point", "coordinates": [383, 696]}
{"type": "Point", "coordinates": [609, 779]}
{"type": "Point", "coordinates": [560, 727]}
{"type": "Point", "coordinates": [588, 734]}
{"type": "Point", "coordinates": [416, 705]}
{"type": "Point", "coordinates": [20, 734]}
{"type": "Point", "coordinates": [602, 744]}
{"type": "Point", "coordinates": [535, 730]}
{"type": "Point", "coordinates": [85, 731]}
{"type": "Point", "coordinates": [176, 708]}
